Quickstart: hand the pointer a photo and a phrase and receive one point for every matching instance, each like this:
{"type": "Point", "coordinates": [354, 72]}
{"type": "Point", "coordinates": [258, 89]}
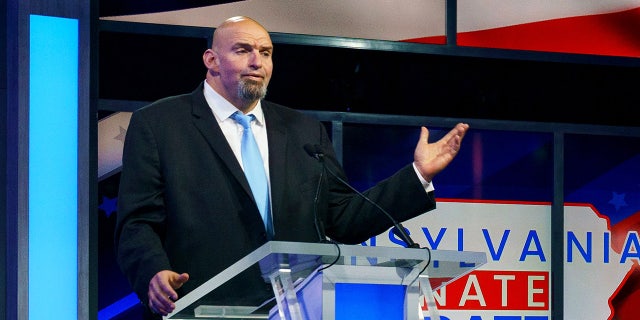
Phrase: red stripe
{"type": "Point", "coordinates": [612, 34]}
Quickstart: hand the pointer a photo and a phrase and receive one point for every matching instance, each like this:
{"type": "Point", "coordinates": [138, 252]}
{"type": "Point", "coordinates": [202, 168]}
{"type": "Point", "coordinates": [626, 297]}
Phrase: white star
{"type": "Point", "coordinates": [122, 134]}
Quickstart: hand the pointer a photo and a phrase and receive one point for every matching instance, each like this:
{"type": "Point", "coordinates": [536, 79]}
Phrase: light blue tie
{"type": "Point", "coordinates": [254, 169]}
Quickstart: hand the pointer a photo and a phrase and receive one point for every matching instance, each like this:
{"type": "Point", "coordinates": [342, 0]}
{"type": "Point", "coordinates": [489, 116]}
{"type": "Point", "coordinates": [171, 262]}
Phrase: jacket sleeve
{"type": "Point", "coordinates": [351, 218]}
{"type": "Point", "coordinates": [141, 216]}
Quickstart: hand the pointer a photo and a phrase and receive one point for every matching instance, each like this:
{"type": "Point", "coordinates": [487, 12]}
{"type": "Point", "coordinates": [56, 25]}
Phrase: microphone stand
{"type": "Point", "coordinates": [316, 152]}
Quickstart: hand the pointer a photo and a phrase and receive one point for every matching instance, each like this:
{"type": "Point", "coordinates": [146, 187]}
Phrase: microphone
{"type": "Point", "coordinates": [315, 151]}
{"type": "Point", "coordinates": [316, 219]}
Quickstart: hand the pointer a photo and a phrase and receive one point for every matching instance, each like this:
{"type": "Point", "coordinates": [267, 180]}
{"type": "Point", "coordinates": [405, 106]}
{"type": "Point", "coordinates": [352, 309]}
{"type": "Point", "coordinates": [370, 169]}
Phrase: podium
{"type": "Point", "coordinates": [330, 281]}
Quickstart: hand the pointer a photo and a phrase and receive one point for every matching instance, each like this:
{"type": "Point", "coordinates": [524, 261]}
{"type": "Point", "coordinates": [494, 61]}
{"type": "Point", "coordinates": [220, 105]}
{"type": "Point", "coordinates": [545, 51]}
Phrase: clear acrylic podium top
{"type": "Point", "coordinates": [284, 266]}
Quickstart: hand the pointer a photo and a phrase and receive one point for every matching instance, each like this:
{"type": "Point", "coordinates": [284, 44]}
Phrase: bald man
{"type": "Point", "coordinates": [186, 211]}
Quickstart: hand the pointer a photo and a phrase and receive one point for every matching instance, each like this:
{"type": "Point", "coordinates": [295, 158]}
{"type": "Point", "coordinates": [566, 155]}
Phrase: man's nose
{"type": "Point", "coordinates": [256, 59]}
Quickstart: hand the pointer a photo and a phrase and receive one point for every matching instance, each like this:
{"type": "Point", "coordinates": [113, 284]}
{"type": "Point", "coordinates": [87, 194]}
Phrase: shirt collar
{"type": "Point", "coordinates": [223, 109]}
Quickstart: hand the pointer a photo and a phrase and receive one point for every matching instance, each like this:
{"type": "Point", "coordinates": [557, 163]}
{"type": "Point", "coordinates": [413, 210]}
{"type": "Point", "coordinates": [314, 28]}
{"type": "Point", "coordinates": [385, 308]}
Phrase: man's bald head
{"type": "Point", "coordinates": [235, 22]}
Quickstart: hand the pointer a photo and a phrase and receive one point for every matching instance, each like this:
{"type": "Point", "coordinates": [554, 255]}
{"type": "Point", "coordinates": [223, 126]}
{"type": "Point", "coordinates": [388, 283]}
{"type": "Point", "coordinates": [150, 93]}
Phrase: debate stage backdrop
{"type": "Point", "coordinates": [496, 196]}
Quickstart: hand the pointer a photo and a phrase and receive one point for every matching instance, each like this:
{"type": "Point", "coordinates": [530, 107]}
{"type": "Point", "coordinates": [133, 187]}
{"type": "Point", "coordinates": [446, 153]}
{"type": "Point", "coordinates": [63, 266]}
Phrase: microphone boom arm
{"type": "Point", "coordinates": [316, 152]}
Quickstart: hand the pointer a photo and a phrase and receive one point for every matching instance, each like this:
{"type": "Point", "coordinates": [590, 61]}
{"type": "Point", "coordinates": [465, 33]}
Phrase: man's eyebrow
{"type": "Point", "coordinates": [249, 45]}
{"type": "Point", "coordinates": [241, 45]}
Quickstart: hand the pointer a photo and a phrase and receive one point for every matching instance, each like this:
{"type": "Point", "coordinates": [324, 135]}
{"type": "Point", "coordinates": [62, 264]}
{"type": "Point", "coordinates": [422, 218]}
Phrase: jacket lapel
{"type": "Point", "coordinates": [205, 122]}
{"type": "Point", "coordinates": [277, 137]}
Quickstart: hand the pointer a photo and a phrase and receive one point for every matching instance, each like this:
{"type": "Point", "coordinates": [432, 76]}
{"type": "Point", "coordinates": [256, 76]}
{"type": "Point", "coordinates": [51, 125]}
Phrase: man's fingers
{"type": "Point", "coordinates": [162, 293]}
{"type": "Point", "coordinates": [180, 280]}
{"type": "Point", "coordinates": [175, 283]}
{"type": "Point", "coordinates": [161, 305]}
{"type": "Point", "coordinates": [424, 134]}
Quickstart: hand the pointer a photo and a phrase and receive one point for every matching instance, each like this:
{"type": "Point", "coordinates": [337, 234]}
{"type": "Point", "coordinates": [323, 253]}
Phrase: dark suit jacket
{"type": "Point", "coordinates": [184, 203]}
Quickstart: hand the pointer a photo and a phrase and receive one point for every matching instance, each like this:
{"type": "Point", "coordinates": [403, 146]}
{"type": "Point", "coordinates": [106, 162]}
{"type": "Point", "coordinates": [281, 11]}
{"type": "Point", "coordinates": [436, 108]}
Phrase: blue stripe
{"type": "Point", "coordinates": [119, 307]}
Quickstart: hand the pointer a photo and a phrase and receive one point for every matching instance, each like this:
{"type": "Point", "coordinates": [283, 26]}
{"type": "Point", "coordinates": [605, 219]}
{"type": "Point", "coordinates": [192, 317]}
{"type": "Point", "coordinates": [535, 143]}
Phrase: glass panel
{"type": "Point", "coordinates": [493, 165]}
{"type": "Point", "coordinates": [602, 221]}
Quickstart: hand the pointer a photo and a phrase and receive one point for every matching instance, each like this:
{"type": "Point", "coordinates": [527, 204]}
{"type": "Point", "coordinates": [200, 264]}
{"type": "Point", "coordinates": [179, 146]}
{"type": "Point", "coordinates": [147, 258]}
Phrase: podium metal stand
{"type": "Point", "coordinates": [333, 281]}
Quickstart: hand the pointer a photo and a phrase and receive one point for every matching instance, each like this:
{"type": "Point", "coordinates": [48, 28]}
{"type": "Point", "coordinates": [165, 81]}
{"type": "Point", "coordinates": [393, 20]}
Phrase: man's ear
{"type": "Point", "coordinates": [210, 60]}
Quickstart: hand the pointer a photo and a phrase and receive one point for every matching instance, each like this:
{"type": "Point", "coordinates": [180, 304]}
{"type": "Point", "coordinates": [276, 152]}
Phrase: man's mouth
{"type": "Point", "coordinates": [255, 77]}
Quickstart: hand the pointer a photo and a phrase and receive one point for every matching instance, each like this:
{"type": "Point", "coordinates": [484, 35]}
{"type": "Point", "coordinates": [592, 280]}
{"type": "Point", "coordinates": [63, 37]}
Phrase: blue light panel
{"type": "Point", "coordinates": [53, 168]}
{"type": "Point", "coordinates": [369, 301]}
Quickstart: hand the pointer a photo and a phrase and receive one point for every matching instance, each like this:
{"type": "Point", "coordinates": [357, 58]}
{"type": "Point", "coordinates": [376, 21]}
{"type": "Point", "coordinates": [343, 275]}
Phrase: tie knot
{"type": "Point", "coordinates": [242, 119]}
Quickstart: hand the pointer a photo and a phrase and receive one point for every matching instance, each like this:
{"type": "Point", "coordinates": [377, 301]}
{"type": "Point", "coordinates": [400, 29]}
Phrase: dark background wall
{"type": "Point", "coordinates": [599, 90]}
